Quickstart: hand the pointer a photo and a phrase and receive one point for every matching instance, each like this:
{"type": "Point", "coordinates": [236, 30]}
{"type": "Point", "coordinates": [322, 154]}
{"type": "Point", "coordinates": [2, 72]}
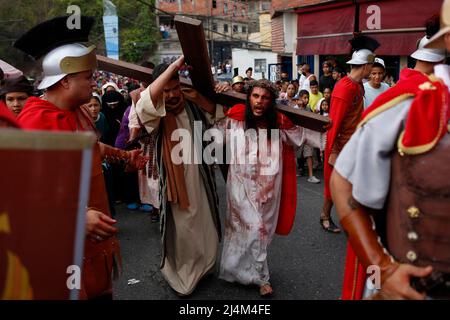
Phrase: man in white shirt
{"type": "Point", "coordinates": [375, 86]}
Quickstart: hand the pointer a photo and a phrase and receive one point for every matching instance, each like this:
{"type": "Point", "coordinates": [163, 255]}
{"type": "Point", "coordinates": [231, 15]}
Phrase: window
{"type": "Point", "coordinates": [260, 65]}
{"type": "Point", "coordinates": [265, 6]}
{"type": "Point", "coordinates": [225, 8]}
{"type": "Point", "coordinates": [225, 28]}
{"type": "Point", "coordinates": [214, 4]}
{"type": "Point", "coordinates": [244, 29]}
{"type": "Point", "coordinates": [235, 28]}
{"type": "Point", "coordinates": [214, 26]}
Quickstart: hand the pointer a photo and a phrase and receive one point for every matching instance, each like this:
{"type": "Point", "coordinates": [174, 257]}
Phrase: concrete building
{"type": "Point", "coordinates": [311, 30]}
{"type": "Point", "coordinates": [227, 25]}
{"type": "Point", "coordinates": [259, 59]}
{"type": "Point", "coordinates": [263, 36]}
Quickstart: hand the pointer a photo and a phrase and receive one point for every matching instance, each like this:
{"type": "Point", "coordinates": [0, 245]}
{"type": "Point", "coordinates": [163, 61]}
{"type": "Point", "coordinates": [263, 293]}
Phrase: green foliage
{"type": "Point", "coordinates": [137, 26]}
{"type": "Point", "coordinates": [139, 34]}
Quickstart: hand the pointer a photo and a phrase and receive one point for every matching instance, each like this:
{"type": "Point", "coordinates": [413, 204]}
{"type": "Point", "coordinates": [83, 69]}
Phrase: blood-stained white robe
{"type": "Point", "coordinates": [253, 203]}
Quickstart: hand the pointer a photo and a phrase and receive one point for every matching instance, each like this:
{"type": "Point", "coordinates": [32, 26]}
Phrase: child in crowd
{"type": "Point", "coordinates": [305, 151]}
{"type": "Point", "coordinates": [324, 107]}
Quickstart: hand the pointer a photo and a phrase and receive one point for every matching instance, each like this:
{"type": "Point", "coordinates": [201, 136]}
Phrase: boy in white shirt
{"type": "Point", "coordinates": [375, 86]}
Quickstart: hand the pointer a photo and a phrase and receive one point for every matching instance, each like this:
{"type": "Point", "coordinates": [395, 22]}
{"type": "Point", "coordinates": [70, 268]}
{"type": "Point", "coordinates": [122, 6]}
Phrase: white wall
{"type": "Point", "coordinates": [290, 32]}
{"type": "Point", "coordinates": [244, 58]}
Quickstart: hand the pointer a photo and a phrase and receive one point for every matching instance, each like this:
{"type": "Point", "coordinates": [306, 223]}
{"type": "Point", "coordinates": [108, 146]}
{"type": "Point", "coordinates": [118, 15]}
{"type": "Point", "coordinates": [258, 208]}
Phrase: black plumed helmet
{"type": "Point", "coordinates": [53, 33]}
{"type": "Point", "coordinates": [360, 41]}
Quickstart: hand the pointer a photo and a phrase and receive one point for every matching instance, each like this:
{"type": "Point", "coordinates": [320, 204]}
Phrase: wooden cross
{"type": "Point", "coordinates": [192, 38]}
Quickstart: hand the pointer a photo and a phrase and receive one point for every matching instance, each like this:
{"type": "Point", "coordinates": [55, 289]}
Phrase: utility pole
{"type": "Point", "coordinates": [212, 46]}
{"type": "Point", "coordinates": [211, 31]}
{"type": "Point", "coordinates": [231, 21]}
{"type": "Point", "coordinates": [248, 22]}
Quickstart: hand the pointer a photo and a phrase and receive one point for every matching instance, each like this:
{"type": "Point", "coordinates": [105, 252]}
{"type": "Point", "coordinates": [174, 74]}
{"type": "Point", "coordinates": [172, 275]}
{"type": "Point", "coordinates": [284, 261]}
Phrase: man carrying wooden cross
{"type": "Point", "coordinates": [261, 184]}
{"type": "Point", "coordinates": [189, 212]}
{"type": "Point", "coordinates": [189, 206]}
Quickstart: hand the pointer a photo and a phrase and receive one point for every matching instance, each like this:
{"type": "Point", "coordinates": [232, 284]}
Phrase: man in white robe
{"type": "Point", "coordinates": [190, 223]}
{"type": "Point", "coordinates": [254, 184]}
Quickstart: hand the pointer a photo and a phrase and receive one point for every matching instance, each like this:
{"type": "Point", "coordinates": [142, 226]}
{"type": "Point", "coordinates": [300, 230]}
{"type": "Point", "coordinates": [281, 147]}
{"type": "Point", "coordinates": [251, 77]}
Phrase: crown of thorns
{"type": "Point", "coordinates": [265, 84]}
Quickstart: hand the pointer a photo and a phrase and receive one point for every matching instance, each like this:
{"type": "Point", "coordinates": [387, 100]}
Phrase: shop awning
{"type": "Point", "coordinates": [326, 29]}
{"type": "Point", "coordinates": [402, 23]}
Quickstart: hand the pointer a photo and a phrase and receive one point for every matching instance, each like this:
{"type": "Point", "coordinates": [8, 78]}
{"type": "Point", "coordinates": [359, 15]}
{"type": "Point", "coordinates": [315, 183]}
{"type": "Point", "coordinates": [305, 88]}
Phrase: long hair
{"type": "Point", "coordinates": [269, 116]}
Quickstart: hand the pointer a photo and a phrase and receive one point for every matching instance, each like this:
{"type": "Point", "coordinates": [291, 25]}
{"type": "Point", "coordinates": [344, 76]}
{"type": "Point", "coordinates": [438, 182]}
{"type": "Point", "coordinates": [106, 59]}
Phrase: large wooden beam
{"type": "Point", "coordinates": [192, 39]}
{"type": "Point", "coordinates": [299, 117]}
{"type": "Point", "coordinates": [124, 69]}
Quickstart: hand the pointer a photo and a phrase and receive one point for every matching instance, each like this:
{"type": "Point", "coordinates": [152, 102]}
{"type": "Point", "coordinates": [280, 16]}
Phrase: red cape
{"type": "Point", "coordinates": [7, 116]}
{"type": "Point", "coordinates": [288, 203]}
{"type": "Point", "coordinates": [39, 114]}
{"type": "Point", "coordinates": [428, 115]}
{"type": "Point", "coordinates": [425, 125]}
{"type": "Point", "coordinates": [342, 98]}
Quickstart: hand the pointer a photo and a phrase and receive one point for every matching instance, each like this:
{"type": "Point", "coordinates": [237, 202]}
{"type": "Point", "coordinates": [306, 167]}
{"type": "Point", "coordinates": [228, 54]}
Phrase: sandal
{"type": "Point", "coordinates": [266, 290]}
{"type": "Point", "coordinates": [331, 226]}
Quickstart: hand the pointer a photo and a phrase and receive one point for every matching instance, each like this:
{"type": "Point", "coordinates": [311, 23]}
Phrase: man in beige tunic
{"type": "Point", "coordinates": [190, 223]}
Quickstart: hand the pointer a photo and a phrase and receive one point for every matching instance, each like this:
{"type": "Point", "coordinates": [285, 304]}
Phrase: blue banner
{"type": "Point", "coordinates": [111, 27]}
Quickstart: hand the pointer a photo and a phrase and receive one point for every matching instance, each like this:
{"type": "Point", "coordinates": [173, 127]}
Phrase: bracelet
{"type": "Point", "coordinates": [118, 155]}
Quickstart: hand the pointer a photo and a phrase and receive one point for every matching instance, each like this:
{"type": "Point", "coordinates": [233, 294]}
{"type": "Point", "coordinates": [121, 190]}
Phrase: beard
{"type": "Point", "coordinates": [173, 101]}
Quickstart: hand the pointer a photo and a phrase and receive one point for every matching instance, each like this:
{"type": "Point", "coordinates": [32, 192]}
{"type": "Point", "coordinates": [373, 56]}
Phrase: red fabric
{"type": "Point", "coordinates": [398, 43]}
{"type": "Point", "coordinates": [413, 15]}
{"type": "Point", "coordinates": [39, 114]}
{"type": "Point", "coordinates": [428, 113]}
{"type": "Point", "coordinates": [426, 117]}
{"type": "Point", "coordinates": [354, 277]}
{"type": "Point", "coordinates": [326, 30]}
{"type": "Point", "coordinates": [8, 116]}
{"type": "Point", "coordinates": [237, 112]}
{"type": "Point", "coordinates": [288, 203]}
{"type": "Point", "coordinates": [341, 100]}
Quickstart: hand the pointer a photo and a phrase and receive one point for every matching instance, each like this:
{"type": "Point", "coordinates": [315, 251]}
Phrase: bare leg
{"type": "Point", "coordinates": [327, 205]}
{"type": "Point", "coordinates": [325, 217]}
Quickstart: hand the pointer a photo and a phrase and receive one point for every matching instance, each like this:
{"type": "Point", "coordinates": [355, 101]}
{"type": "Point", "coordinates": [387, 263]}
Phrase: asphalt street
{"type": "Point", "coordinates": [307, 264]}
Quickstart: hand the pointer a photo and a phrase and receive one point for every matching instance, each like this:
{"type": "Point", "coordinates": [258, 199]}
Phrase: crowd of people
{"type": "Point", "coordinates": [221, 68]}
{"type": "Point", "coordinates": [137, 127]}
{"type": "Point", "coordinates": [307, 93]}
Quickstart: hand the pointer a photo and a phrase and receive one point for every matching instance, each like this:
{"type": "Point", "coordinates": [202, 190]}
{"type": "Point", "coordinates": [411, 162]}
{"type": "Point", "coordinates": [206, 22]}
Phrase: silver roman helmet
{"type": "Point", "coordinates": [362, 56]}
{"type": "Point", "coordinates": [67, 59]}
{"type": "Point", "coordinates": [363, 48]}
{"type": "Point", "coordinates": [60, 47]}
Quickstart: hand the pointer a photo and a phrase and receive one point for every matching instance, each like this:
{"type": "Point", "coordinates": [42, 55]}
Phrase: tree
{"type": "Point", "coordinates": [137, 27]}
